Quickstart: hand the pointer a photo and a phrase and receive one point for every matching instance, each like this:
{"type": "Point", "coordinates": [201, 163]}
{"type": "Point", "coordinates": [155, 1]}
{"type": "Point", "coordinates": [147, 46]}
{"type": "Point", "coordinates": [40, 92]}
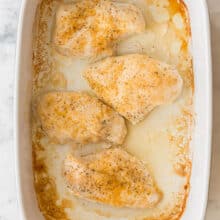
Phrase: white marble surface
{"type": "Point", "coordinates": [213, 210]}
{"type": "Point", "coordinates": [9, 10]}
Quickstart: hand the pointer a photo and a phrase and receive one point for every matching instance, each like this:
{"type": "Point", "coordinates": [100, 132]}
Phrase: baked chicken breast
{"type": "Point", "coordinates": [79, 117]}
{"type": "Point", "coordinates": [90, 27]}
{"type": "Point", "coordinates": [112, 177]}
{"type": "Point", "coordinates": [134, 84]}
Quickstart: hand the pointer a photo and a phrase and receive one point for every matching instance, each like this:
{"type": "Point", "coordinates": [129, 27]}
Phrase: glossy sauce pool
{"type": "Point", "coordinates": [162, 140]}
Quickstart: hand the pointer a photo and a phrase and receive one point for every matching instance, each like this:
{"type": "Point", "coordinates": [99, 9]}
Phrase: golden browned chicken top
{"type": "Point", "coordinates": [134, 84]}
{"type": "Point", "coordinates": [113, 177]}
{"type": "Point", "coordinates": [79, 117]}
{"type": "Point", "coordinates": [90, 27]}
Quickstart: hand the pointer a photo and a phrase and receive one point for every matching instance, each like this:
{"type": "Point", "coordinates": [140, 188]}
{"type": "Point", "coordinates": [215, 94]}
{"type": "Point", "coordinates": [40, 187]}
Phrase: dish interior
{"type": "Point", "coordinates": [161, 140]}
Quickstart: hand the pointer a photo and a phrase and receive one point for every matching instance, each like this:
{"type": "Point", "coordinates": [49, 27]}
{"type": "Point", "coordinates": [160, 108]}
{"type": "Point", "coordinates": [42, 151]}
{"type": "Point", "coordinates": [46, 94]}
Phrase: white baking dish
{"type": "Point", "coordinates": [201, 143]}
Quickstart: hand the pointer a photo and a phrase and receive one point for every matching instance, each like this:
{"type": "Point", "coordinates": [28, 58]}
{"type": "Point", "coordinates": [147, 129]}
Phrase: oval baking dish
{"type": "Point", "coordinates": [201, 141]}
